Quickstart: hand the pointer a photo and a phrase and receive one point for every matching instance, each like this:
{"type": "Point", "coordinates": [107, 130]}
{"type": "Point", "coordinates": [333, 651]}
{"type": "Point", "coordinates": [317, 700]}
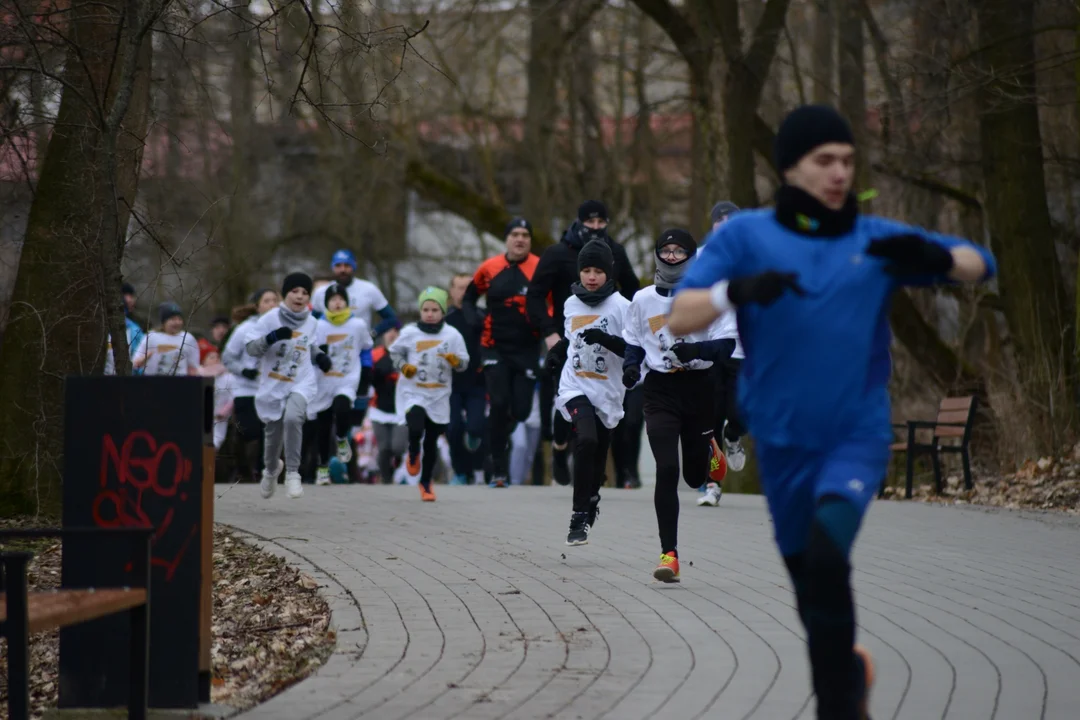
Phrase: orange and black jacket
{"type": "Point", "coordinates": [506, 326]}
{"type": "Point", "coordinates": [383, 379]}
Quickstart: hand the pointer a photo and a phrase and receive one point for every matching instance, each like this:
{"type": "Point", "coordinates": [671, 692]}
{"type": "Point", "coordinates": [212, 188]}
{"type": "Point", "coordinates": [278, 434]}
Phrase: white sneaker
{"type": "Point", "coordinates": [478, 477]}
{"type": "Point", "coordinates": [323, 478]}
{"type": "Point", "coordinates": [344, 452]}
{"type": "Point", "coordinates": [293, 487]}
{"type": "Point", "coordinates": [736, 456]}
{"type": "Point", "coordinates": [269, 481]}
{"type": "Point", "coordinates": [711, 496]}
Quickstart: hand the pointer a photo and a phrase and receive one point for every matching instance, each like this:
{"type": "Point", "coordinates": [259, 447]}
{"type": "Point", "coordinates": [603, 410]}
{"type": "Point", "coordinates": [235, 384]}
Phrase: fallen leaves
{"type": "Point", "coordinates": [1046, 483]}
{"type": "Point", "coordinates": [270, 626]}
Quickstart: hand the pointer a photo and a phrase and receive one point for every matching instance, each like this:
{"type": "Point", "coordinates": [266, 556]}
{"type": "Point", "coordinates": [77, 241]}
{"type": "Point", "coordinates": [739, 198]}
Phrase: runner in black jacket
{"type": "Point", "coordinates": [554, 275]}
{"type": "Point", "coordinates": [468, 399]}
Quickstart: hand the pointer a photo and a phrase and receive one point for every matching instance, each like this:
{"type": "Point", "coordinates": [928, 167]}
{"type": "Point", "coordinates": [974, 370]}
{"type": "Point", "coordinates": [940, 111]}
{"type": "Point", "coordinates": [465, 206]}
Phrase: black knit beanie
{"type": "Point", "coordinates": [597, 254]}
{"type": "Point", "coordinates": [592, 209]}
{"type": "Point", "coordinates": [336, 290]}
{"type": "Point", "coordinates": [518, 222]}
{"type": "Point", "coordinates": [167, 310]}
{"type": "Point", "coordinates": [678, 237]}
{"type": "Point", "coordinates": [721, 210]}
{"type": "Point", "coordinates": [295, 280]}
{"type": "Point", "coordinates": [804, 129]}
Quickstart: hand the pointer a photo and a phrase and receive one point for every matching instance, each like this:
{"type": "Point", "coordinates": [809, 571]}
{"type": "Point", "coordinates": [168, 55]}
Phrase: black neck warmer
{"type": "Point", "coordinates": [801, 212]}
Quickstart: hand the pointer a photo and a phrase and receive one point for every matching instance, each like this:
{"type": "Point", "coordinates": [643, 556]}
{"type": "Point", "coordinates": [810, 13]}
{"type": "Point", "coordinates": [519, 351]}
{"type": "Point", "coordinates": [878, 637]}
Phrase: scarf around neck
{"type": "Point", "coordinates": [338, 317]}
{"type": "Point", "coordinates": [668, 276]}
{"type": "Point", "coordinates": [592, 298]}
{"type": "Point", "coordinates": [430, 328]}
{"type": "Point", "coordinates": [292, 319]}
{"type": "Point", "coordinates": [801, 212]}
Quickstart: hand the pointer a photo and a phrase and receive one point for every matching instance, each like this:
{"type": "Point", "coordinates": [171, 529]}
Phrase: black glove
{"type": "Point", "coordinates": [250, 373]}
{"type": "Point", "coordinates": [556, 357]}
{"type": "Point", "coordinates": [687, 351]}
{"type": "Point", "coordinates": [630, 376]}
{"type": "Point", "coordinates": [594, 336]}
{"type": "Point", "coordinates": [282, 333]}
{"type": "Point", "coordinates": [763, 289]}
{"type": "Point", "coordinates": [911, 255]}
{"type": "Point", "coordinates": [324, 348]}
{"type": "Point", "coordinates": [322, 360]}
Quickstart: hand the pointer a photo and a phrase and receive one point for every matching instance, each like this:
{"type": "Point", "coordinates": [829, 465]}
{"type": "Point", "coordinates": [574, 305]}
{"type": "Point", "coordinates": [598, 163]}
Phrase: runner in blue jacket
{"type": "Point", "coordinates": [811, 281]}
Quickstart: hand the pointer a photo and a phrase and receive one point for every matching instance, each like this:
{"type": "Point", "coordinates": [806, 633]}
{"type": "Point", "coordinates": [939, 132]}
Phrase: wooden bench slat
{"type": "Point", "coordinates": [956, 403]}
{"type": "Point", "coordinates": [953, 416]}
{"type": "Point", "coordinates": [898, 446]}
{"type": "Point", "coordinates": [949, 432]}
{"type": "Point", "coordinates": [61, 608]}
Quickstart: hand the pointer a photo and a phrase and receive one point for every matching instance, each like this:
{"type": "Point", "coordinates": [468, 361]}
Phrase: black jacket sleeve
{"type": "Point", "coordinates": [468, 306]}
{"type": "Point", "coordinates": [633, 356]}
{"type": "Point", "coordinates": [714, 350]}
{"type": "Point", "coordinates": [544, 277]}
{"type": "Point", "coordinates": [624, 271]}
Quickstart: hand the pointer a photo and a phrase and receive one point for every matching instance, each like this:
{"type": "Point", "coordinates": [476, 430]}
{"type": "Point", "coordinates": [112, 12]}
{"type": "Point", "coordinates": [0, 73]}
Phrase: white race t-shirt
{"type": "Point", "coordinates": [430, 386]}
{"type": "Point", "coordinates": [167, 354]}
{"type": "Point", "coordinates": [344, 343]}
{"type": "Point", "coordinates": [286, 368]}
{"type": "Point", "coordinates": [592, 370]}
{"type": "Point", "coordinates": [364, 299]}
{"type": "Point", "coordinates": [646, 327]}
{"type": "Point", "coordinates": [726, 327]}
{"type": "Point", "coordinates": [235, 356]}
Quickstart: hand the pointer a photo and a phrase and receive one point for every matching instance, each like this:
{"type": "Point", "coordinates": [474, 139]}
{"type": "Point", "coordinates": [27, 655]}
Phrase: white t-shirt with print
{"type": "Point", "coordinates": [167, 354]}
{"type": "Point", "coordinates": [646, 327]}
{"type": "Point", "coordinates": [286, 368]}
{"type": "Point", "coordinates": [429, 388]}
{"type": "Point", "coordinates": [344, 343]}
{"type": "Point", "coordinates": [726, 327]}
{"type": "Point", "coordinates": [592, 370]}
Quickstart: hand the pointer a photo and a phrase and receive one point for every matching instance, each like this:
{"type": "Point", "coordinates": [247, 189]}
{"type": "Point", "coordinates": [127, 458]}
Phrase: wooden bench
{"type": "Point", "coordinates": [23, 612]}
{"type": "Point", "coordinates": [956, 415]}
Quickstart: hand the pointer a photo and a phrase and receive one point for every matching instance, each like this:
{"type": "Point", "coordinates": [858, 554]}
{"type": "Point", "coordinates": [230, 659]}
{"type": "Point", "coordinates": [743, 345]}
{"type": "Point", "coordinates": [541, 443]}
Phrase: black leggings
{"type": "Point", "coordinates": [591, 440]}
{"type": "Point", "coordinates": [340, 416]}
{"type": "Point", "coordinates": [674, 415]}
{"type": "Point", "coordinates": [511, 383]}
{"type": "Point", "coordinates": [420, 426]}
{"type": "Point", "coordinates": [626, 438]}
{"type": "Point", "coordinates": [249, 433]}
{"type": "Point", "coordinates": [725, 376]}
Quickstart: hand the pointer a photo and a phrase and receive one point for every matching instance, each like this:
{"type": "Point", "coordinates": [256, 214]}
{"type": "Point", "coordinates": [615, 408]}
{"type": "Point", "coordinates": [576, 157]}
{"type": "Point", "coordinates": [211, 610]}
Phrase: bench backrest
{"type": "Point", "coordinates": [958, 413]}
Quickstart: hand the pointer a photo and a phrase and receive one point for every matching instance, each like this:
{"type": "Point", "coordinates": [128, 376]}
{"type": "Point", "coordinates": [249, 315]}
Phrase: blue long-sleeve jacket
{"type": "Point", "coordinates": [817, 367]}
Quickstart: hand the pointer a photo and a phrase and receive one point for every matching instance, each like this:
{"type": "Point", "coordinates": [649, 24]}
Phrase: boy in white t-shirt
{"type": "Point", "coordinates": [171, 350]}
{"type": "Point", "coordinates": [284, 341]}
{"type": "Point", "coordinates": [347, 340]}
{"type": "Point", "coordinates": [590, 386]}
{"type": "Point", "coordinates": [426, 353]}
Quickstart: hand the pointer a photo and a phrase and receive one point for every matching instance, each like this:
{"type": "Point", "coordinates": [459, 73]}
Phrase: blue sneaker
{"type": "Point", "coordinates": [458, 480]}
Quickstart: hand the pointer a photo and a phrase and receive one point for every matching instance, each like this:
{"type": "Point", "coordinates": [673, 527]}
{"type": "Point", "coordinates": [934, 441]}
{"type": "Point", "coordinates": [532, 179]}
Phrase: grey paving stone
{"type": "Point", "coordinates": [473, 607]}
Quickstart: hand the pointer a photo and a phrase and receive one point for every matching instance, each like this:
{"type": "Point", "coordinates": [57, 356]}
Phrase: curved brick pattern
{"type": "Point", "coordinates": [472, 607]}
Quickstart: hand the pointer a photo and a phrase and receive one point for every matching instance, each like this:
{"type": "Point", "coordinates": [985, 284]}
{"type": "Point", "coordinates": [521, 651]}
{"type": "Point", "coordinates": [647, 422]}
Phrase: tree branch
{"type": "Point", "coordinates": [928, 183]}
{"type": "Point", "coordinates": [681, 33]}
{"type": "Point", "coordinates": [453, 196]}
{"type": "Point", "coordinates": [763, 47]}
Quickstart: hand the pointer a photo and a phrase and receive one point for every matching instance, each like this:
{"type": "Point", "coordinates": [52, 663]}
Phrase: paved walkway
{"type": "Point", "coordinates": [474, 608]}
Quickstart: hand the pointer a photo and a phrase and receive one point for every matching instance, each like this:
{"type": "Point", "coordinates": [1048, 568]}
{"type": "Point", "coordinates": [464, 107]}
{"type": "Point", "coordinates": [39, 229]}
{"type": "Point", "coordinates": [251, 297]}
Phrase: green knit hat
{"type": "Point", "coordinates": [433, 293]}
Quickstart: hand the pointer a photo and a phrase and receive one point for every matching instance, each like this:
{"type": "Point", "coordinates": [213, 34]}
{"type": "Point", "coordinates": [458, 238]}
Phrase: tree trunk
{"type": "Point", "coordinates": [824, 52]}
{"type": "Point", "coordinates": [1032, 285]}
{"type": "Point", "coordinates": [541, 112]}
{"type": "Point", "coordinates": [68, 287]}
{"type": "Point", "coordinates": [237, 245]}
{"type": "Point", "coordinates": [853, 87]}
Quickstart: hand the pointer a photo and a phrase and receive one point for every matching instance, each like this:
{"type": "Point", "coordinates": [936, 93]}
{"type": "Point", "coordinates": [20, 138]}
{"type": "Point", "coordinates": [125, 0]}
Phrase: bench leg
{"type": "Point", "coordinates": [965, 458]}
{"type": "Point", "coordinates": [936, 459]}
{"type": "Point", "coordinates": [139, 682]}
{"type": "Point", "coordinates": [18, 637]}
{"type": "Point", "coordinates": [909, 477]}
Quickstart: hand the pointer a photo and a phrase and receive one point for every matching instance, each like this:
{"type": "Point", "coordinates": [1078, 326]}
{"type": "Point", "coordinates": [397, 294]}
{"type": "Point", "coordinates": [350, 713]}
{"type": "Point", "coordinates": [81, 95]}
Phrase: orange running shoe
{"type": "Point", "coordinates": [427, 495]}
{"type": "Point", "coordinates": [868, 666]}
{"type": "Point", "coordinates": [412, 465]}
{"type": "Point", "coordinates": [668, 569]}
{"type": "Point", "coordinates": [717, 463]}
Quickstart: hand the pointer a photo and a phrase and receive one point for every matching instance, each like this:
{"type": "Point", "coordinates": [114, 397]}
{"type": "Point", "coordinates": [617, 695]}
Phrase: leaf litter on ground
{"type": "Point", "coordinates": [271, 626]}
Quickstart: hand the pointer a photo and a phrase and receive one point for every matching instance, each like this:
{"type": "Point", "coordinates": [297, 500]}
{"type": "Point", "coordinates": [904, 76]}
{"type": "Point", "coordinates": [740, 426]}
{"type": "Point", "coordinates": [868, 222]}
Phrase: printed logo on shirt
{"type": "Point", "coordinates": [581, 321]}
{"type": "Point", "coordinates": [331, 339]}
{"type": "Point", "coordinates": [422, 345]}
{"type": "Point", "coordinates": [657, 323]}
{"type": "Point", "coordinates": [856, 485]}
{"type": "Point", "coordinates": [588, 374]}
{"type": "Point", "coordinates": [167, 348]}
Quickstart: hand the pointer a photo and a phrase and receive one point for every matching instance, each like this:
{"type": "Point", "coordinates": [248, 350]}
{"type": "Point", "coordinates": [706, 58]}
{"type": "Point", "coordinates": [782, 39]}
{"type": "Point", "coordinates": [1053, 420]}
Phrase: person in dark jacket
{"type": "Point", "coordinates": [468, 397]}
{"type": "Point", "coordinates": [554, 275]}
{"type": "Point", "coordinates": [391, 434]}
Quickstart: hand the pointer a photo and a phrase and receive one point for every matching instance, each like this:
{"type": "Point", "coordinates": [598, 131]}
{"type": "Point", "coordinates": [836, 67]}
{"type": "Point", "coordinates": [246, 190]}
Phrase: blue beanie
{"type": "Point", "coordinates": [343, 257]}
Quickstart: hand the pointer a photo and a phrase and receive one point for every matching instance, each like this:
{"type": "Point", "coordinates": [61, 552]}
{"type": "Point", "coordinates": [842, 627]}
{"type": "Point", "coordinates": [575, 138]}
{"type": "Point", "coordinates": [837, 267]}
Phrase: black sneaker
{"type": "Point", "coordinates": [594, 510]}
{"type": "Point", "coordinates": [560, 465]}
{"type": "Point", "coordinates": [579, 529]}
